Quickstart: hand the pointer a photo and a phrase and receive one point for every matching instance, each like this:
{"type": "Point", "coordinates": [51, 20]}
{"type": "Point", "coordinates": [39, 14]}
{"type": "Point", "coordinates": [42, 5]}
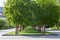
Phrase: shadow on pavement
{"type": "Point", "coordinates": [37, 36]}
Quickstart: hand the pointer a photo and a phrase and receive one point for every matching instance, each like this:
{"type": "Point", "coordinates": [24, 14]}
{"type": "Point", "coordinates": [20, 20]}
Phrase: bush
{"type": "Point", "coordinates": [4, 24]}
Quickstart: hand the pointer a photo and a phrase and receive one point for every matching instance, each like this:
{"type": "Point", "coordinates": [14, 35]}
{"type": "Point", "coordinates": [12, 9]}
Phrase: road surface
{"type": "Point", "coordinates": [29, 37]}
{"type": "Point", "coordinates": [25, 38]}
{"type": "Point", "coordinates": [6, 31]}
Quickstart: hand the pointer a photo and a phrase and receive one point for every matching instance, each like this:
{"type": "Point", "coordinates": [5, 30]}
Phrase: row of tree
{"type": "Point", "coordinates": [32, 13]}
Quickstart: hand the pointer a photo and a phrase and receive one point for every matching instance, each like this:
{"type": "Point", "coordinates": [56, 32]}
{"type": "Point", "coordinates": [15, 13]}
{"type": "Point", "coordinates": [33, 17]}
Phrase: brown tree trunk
{"type": "Point", "coordinates": [20, 29]}
{"type": "Point", "coordinates": [34, 27]}
{"type": "Point", "coordinates": [23, 27]}
{"type": "Point", "coordinates": [17, 27]}
{"type": "Point", "coordinates": [39, 28]}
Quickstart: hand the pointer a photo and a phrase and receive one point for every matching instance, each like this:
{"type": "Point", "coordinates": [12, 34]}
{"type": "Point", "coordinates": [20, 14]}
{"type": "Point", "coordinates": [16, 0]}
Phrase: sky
{"type": "Point", "coordinates": [2, 3]}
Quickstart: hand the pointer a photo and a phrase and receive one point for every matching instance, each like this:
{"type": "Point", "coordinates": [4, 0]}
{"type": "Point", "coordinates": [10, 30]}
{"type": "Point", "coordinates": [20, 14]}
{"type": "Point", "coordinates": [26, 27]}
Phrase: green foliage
{"type": "Point", "coordinates": [19, 12]}
{"type": "Point", "coordinates": [29, 30]}
{"type": "Point", "coordinates": [4, 24]}
{"type": "Point", "coordinates": [27, 12]}
{"type": "Point", "coordinates": [49, 12]}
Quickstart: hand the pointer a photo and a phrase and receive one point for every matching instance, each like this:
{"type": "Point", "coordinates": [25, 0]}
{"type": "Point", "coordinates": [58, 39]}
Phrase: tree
{"type": "Point", "coordinates": [49, 14]}
{"type": "Point", "coordinates": [18, 12]}
{"type": "Point", "coordinates": [29, 13]}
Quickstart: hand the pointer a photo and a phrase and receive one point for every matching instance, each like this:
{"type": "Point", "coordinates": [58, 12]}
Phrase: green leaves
{"type": "Point", "coordinates": [27, 12]}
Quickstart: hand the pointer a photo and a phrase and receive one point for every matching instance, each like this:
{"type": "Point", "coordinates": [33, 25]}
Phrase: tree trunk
{"type": "Point", "coordinates": [17, 27]}
{"type": "Point", "coordinates": [39, 28]}
{"type": "Point", "coordinates": [44, 27]}
{"type": "Point", "coordinates": [20, 29]}
{"type": "Point", "coordinates": [57, 26]}
{"type": "Point", "coordinates": [23, 27]}
{"type": "Point", "coordinates": [34, 27]}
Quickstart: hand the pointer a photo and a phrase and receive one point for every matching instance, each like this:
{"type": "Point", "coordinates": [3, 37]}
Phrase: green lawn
{"type": "Point", "coordinates": [29, 30]}
{"type": "Point", "coordinates": [12, 33]}
{"type": "Point", "coordinates": [55, 28]}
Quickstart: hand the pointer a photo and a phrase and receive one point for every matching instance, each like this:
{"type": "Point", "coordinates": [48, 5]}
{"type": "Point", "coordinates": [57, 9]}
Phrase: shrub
{"type": "Point", "coordinates": [4, 24]}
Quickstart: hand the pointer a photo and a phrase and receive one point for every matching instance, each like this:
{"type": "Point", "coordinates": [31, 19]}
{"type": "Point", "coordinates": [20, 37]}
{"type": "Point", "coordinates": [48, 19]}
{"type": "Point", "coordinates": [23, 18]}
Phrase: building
{"type": "Point", "coordinates": [1, 12]}
{"type": "Point", "coordinates": [1, 8]}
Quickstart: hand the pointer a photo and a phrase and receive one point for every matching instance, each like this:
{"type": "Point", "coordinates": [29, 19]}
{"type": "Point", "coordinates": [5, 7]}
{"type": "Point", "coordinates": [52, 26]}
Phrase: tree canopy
{"type": "Point", "coordinates": [27, 12]}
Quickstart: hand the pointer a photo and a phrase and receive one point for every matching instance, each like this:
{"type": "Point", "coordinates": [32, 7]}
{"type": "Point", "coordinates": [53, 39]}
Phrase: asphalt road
{"type": "Point", "coordinates": [6, 31]}
{"type": "Point", "coordinates": [25, 38]}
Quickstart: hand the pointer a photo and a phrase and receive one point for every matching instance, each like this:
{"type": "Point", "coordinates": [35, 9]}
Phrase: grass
{"type": "Point", "coordinates": [54, 28]}
{"type": "Point", "coordinates": [13, 33]}
{"type": "Point", "coordinates": [29, 31]}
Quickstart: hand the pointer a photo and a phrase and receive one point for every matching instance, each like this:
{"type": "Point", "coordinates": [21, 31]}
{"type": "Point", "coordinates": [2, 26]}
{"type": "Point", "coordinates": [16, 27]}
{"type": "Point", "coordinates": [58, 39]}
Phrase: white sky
{"type": "Point", "coordinates": [2, 3]}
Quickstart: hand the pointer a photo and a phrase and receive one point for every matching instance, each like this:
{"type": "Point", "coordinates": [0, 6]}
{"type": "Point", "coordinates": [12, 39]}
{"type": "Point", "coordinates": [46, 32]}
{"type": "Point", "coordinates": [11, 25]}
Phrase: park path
{"type": "Point", "coordinates": [6, 31]}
